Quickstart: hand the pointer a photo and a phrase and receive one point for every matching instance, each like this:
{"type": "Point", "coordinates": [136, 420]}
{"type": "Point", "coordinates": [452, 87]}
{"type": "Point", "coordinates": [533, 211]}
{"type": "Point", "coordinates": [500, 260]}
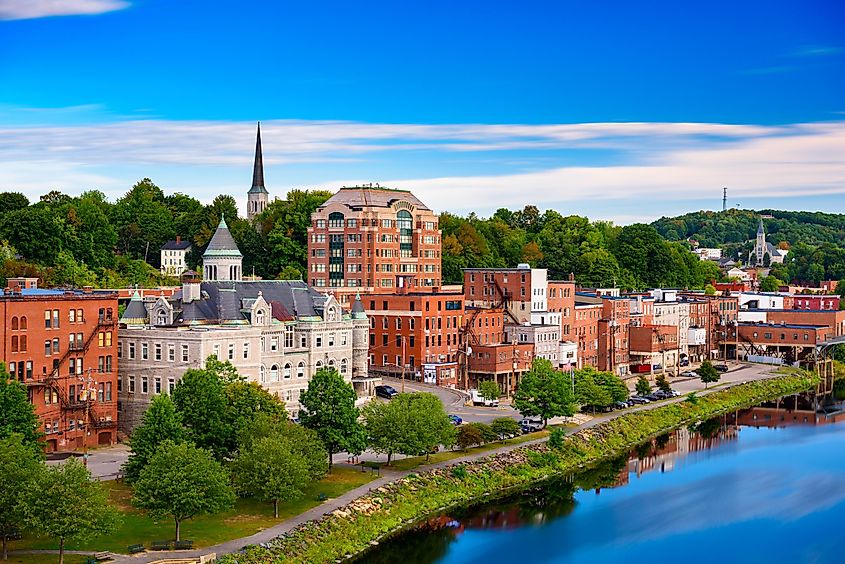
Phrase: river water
{"type": "Point", "coordinates": [763, 485]}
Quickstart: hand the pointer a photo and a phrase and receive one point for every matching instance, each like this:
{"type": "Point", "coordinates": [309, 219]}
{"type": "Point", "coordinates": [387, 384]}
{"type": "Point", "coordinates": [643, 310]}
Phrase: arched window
{"type": "Point", "coordinates": [335, 219]}
{"type": "Point", "coordinates": [14, 324]}
{"type": "Point", "coordinates": [404, 221]}
{"type": "Point", "coordinates": [287, 371]}
{"type": "Point", "coordinates": [274, 373]}
{"type": "Point", "coordinates": [343, 366]}
{"type": "Point", "coordinates": [259, 317]}
{"type": "Point", "coordinates": [15, 343]}
{"type": "Point", "coordinates": [318, 364]}
{"type": "Point", "coordinates": [23, 323]}
{"type": "Point", "coordinates": [262, 374]}
{"type": "Point", "coordinates": [161, 318]}
{"type": "Point", "coordinates": [300, 370]}
{"type": "Point", "coordinates": [263, 344]}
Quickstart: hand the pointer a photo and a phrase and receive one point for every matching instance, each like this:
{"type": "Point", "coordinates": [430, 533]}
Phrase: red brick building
{"type": "Point", "coordinates": [523, 291]}
{"type": "Point", "coordinates": [373, 240]}
{"type": "Point", "coordinates": [833, 319]}
{"type": "Point", "coordinates": [561, 300]}
{"type": "Point", "coordinates": [815, 302]}
{"type": "Point", "coordinates": [63, 346]}
{"type": "Point", "coordinates": [653, 345]}
{"type": "Point", "coordinates": [790, 342]}
{"type": "Point", "coordinates": [418, 330]}
{"type": "Point", "coordinates": [503, 363]}
{"type": "Point", "coordinates": [585, 326]}
{"type": "Point", "coordinates": [613, 335]}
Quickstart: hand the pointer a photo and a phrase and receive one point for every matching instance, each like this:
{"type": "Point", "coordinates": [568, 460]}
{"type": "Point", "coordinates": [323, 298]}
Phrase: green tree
{"type": "Point", "coordinates": [612, 384]}
{"type": "Point", "coordinates": [708, 373]}
{"type": "Point", "coordinates": [544, 392]}
{"type": "Point", "coordinates": [770, 284]}
{"type": "Point", "coordinates": [468, 435]}
{"type": "Point", "coordinates": [18, 414]}
{"type": "Point", "coordinates": [200, 399]}
{"type": "Point", "coordinates": [328, 407]}
{"type": "Point", "coordinates": [12, 201]}
{"type": "Point", "coordinates": [63, 503]}
{"type": "Point", "coordinates": [302, 440]}
{"type": "Point", "coordinates": [245, 401]}
{"type": "Point", "coordinates": [160, 422]}
{"type": "Point", "coordinates": [182, 481]}
{"type": "Point", "coordinates": [487, 433]}
{"type": "Point", "coordinates": [505, 427]}
{"type": "Point", "coordinates": [588, 392]}
{"type": "Point", "coordinates": [19, 467]}
{"type": "Point", "coordinates": [556, 438]}
{"type": "Point", "coordinates": [271, 471]}
{"type": "Point", "coordinates": [663, 383]}
{"type": "Point", "coordinates": [710, 290]}
{"type": "Point", "coordinates": [643, 387]}
{"type": "Point", "coordinates": [384, 426]}
{"type": "Point", "coordinates": [489, 389]}
{"type": "Point", "coordinates": [410, 424]}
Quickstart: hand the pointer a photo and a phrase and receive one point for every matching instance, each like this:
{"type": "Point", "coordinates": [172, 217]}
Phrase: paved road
{"type": "Point", "coordinates": [454, 402]}
{"type": "Point", "coordinates": [738, 374]}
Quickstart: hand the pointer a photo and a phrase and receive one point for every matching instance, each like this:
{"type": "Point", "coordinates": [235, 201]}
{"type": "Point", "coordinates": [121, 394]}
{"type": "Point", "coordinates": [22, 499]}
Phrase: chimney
{"type": "Point", "coordinates": [190, 286]}
{"type": "Point", "coordinates": [178, 239]}
{"type": "Point", "coordinates": [88, 289]}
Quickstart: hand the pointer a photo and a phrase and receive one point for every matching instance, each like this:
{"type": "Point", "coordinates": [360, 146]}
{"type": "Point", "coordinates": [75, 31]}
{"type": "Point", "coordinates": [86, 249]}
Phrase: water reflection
{"type": "Point", "coordinates": [739, 481]}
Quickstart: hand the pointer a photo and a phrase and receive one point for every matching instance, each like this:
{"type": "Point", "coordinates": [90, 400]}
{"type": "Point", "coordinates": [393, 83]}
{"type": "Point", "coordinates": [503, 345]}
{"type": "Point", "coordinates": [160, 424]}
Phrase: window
{"type": "Point", "coordinates": [246, 350]}
{"type": "Point", "coordinates": [144, 384]}
{"type": "Point", "coordinates": [318, 341]}
{"type": "Point", "coordinates": [145, 351]}
{"type": "Point", "coordinates": [23, 323]}
{"type": "Point", "coordinates": [262, 374]}
{"type": "Point", "coordinates": [288, 337]}
{"type": "Point", "coordinates": [343, 366]}
{"type": "Point", "coordinates": [171, 353]}
{"type": "Point", "coordinates": [14, 324]}
{"type": "Point", "coordinates": [71, 316]}
{"type": "Point", "coordinates": [131, 381]}
{"type": "Point", "coordinates": [131, 351]}
{"type": "Point", "coordinates": [303, 341]}
{"type": "Point", "coordinates": [287, 371]}
{"type": "Point", "coordinates": [300, 370]}
{"type": "Point", "coordinates": [274, 344]}
{"type": "Point", "coordinates": [330, 339]}
{"type": "Point", "coordinates": [47, 319]}
{"type": "Point", "coordinates": [157, 351]}
{"type": "Point", "coordinates": [231, 353]}
{"type": "Point", "coordinates": [274, 373]}
{"type": "Point", "coordinates": [171, 384]}
{"type": "Point", "coordinates": [184, 353]}
{"type": "Point", "coordinates": [55, 319]}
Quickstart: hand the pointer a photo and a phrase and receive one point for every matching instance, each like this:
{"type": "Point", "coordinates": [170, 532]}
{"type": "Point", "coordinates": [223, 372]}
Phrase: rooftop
{"type": "Point", "coordinates": [359, 197]}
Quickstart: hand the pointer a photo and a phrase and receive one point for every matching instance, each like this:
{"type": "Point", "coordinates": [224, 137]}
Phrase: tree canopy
{"type": "Point", "coordinates": [18, 413]}
{"type": "Point", "coordinates": [161, 422]}
{"type": "Point", "coordinates": [544, 392]}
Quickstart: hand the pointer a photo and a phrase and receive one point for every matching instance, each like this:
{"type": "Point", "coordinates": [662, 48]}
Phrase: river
{"type": "Point", "coordinates": [766, 484]}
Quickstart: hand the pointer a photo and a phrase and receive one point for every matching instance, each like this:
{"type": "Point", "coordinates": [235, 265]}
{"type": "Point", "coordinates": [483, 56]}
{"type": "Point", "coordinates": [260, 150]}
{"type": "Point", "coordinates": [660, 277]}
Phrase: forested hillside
{"type": "Point", "coordinates": [816, 240]}
{"type": "Point", "coordinates": [86, 239]}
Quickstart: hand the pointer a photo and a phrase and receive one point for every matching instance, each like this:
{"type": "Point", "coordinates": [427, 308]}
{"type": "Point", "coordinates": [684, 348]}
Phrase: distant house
{"type": "Point", "coordinates": [173, 257]}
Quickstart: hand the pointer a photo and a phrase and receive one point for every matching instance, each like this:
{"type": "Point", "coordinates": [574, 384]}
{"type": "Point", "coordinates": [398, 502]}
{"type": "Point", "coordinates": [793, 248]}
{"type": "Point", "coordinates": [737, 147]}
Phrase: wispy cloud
{"type": "Point", "coordinates": [818, 51]}
{"type": "Point", "coordinates": [31, 9]}
{"type": "Point", "coordinates": [650, 163]}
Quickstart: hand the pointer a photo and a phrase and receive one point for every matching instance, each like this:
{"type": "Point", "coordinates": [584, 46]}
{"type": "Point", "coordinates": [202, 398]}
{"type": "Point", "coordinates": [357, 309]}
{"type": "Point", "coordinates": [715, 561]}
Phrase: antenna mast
{"type": "Point", "coordinates": [724, 198]}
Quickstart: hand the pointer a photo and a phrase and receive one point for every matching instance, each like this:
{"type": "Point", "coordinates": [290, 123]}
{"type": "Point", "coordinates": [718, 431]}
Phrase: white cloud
{"type": "Point", "coordinates": [650, 164]}
{"type": "Point", "coordinates": [30, 9]}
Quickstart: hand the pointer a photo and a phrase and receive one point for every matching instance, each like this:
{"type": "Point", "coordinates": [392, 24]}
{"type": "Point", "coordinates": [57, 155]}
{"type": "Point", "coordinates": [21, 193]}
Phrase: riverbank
{"type": "Point", "coordinates": [355, 527]}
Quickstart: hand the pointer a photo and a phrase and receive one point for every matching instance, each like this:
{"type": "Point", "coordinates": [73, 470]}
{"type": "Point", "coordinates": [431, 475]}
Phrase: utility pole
{"type": "Point", "coordinates": [88, 392]}
{"type": "Point", "coordinates": [403, 364]}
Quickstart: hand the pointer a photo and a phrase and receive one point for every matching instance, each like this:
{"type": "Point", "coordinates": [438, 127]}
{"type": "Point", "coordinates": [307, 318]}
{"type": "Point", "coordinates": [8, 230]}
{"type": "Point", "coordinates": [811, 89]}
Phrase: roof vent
{"type": "Point", "coordinates": [523, 266]}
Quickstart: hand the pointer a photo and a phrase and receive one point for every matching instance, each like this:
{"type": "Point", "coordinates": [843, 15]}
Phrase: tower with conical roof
{"type": "Point", "coordinates": [360, 339]}
{"type": "Point", "coordinates": [257, 197]}
{"type": "Point", "coordinates": [222, 261]}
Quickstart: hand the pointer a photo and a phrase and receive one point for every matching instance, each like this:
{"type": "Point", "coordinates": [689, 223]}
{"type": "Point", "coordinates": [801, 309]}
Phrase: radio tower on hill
{"type": "Point", "coordinates": [724, 198]}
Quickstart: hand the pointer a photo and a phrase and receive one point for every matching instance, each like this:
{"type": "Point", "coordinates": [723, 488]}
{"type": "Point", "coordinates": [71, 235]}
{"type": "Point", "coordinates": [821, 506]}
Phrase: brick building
{"type": "Point", "coordinates": [613, 330]}
{"type": "Point", "coordinates": [816, 302]}
{"type": "Point", "coordinates": [373, 240]}
{"type": "Point", "coordinates": [656, 345]}
{"type": "Point", "coordinates": [523, 291]}
{"type": "Point", "coordinates": [561, 300]}
{"type": "Point", "coordinates": [418, 330]}
{"type": "Point", "coordinates": [834, 319]}
{"type": "Point", "coordinates": [789, 342]}
{"type": "Point", "coordinates": [585, 325]}
{"type": "Point", "coordinates": [504, 363]}
{"type": "Point", "coordinates": [63, 345]}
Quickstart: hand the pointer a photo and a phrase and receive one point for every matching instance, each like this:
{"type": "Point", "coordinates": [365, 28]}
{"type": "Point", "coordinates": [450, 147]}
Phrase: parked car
{"type": "Point", "coordinates": [721, 367]}
{"type": "Point", "coordinates": [478, 399]}
{"type": "Point", "coordinates": [386, 392]}
{"type": "Point", "coordinates": [532, 428]}
{"type": "Point", "coordinates": [657, 366]}
{"type": "Point", "coordinates": [690, 374]}
{"type": "Point", "coordinates": [621, 405]}
{"type": "Point", "coordinates": [660, 394]}
{"type": "Point", "coordinates": [637, 400]}
{"type": "Point", "coordinates": [653, 397]}
{"type": "Point", "coordinates": [456, 420]}
{"type": "Point", "coordinates": [684, 362]}
{"type": "Point", "coordinates": [674, 393]}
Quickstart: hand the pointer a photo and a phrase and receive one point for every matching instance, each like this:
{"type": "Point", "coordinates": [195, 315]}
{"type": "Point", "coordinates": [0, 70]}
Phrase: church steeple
{"type": "Point", "coordinates": [257, 196]}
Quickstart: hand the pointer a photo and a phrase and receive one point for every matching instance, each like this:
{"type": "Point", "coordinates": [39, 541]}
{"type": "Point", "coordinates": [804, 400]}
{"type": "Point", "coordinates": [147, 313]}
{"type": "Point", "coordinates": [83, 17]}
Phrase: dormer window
{"type": "Point", "coordinates": [260, 317]}
{"type": "Point", "coordinates": [161, 317]}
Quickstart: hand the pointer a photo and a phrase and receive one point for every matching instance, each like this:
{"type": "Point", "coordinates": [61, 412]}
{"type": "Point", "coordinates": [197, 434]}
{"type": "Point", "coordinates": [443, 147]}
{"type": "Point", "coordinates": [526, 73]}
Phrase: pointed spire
{"type": "Point", "coordinates": [760, 229]}
{"type": "Point", "coordinates": [258, 165]}
{"type": "Point", "coordinates": [222, 224]}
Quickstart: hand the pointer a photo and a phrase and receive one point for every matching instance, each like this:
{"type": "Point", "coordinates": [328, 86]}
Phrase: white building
{"type": "Point", "coordinates": [174, 256]}
{"type": "Point", "coordinates": [275, 332]}
{"type": "Point", "coordinates": [546, 339]}
{"type": "Point", "coordinates": [669, 311]}
{"type": "Point", "coordinates": [761, 300]}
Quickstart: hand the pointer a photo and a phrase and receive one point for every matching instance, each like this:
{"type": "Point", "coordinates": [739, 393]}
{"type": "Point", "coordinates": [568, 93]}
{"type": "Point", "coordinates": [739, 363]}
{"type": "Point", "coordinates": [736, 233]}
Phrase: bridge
{"type": "Point", "coordinates": [821, 362]}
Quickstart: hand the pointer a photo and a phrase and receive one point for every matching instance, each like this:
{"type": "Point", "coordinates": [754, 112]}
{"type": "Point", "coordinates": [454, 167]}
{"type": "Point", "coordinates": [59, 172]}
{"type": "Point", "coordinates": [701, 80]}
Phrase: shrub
{"type": "Point", "coordinates": [459, 472]}
{"type": "Point", "coordinates": [487, 433]}
{"type": "Point", "coordinates": [556, 438]}
{"type": "Point", "coordinates": [469, 435]}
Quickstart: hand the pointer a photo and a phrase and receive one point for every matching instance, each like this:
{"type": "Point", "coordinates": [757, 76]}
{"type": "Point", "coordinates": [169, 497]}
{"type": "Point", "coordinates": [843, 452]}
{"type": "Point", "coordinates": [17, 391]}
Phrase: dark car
{"type": "Point", "coordinates": [637, 400]}
{"type": "Point", "coordinates": [653, 397]}
{"type": "Point", "coordinates": [684, 362]}
{"type": "Point", "coordinates": [456, 420]}
{"type": "Point", "coordinates": [620, 405]}
{"type": "Point", "coordinates": [661, 394]}
{"type": "Point", "coordinates": [721, 367]}
{"type": "Point", "coordinates": [386, 392]}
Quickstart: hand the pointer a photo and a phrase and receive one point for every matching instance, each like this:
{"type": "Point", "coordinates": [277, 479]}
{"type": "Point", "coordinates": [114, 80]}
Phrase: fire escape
{"type": "Point", "coordinates": [86, 403]}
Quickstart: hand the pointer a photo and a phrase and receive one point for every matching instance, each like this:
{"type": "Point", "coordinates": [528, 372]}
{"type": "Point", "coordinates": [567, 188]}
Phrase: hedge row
{"type": "Point", "coordinates": [358, 526]}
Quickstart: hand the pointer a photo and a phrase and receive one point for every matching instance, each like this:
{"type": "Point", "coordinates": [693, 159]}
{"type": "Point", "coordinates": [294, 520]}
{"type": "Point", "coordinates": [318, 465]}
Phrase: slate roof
{"type": "Point", "coordinates": [176, 245]}
{"type": "Point", "coordinates": [222, 244]}
{"type": "Point", "coordinates": [358, 197]}
{"type": "Point", "coordinates": [258, 168]}
{"type": "Point", "coordinates": [229, 302]}
{"type": "Point", "coordinates": [136, 312]}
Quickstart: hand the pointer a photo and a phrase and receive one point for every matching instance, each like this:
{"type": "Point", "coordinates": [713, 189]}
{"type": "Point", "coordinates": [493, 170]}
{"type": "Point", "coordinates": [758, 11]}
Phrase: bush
{"type": "Point", "coordinates": [469, 435]}
{"type": "Point", "coordinates": [488, 435]}
{"type": "Point", "coordinates": [505, 427]}
{"type": "Point", "coordinates": [459, 472]}
{"type": "Point", "coordinates": [556, 438]}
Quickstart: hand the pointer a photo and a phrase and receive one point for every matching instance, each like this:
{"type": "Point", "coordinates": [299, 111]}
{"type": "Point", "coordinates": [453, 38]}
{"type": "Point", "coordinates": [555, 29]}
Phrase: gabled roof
{"type": "Point", "coordinates": [222, 244]}
{"type": "Point", "coordinates": [176, 245]}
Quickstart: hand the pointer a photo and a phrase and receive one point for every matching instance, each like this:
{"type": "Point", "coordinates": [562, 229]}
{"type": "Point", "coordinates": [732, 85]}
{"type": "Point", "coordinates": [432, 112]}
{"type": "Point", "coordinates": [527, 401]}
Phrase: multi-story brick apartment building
{"type": "Point", "coordinates": [816, 302]}
{"type": "Point", "coordinates": [523, 291]}
{"type": "Point", "coordinates": [588, 312]}
{"type": "Point", "coordinates": [63, 345]}
{"type": "Point", "coordinates": [420, 331]}
{"type": "Point", "coordinates": [656, 346]}
{"type": "Point", "coordinates": [373, 240]}
{"type": "Point", "coordinates": [275, 332]}
{"type": "Point", "coordinates": [561, 300]}
{"type": "Point", "coordinates": [613, 334]}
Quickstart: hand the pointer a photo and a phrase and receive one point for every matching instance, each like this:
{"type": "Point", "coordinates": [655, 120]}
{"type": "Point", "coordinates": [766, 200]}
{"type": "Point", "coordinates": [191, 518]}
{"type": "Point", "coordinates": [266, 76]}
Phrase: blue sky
{"type": "Point", "coordinates": [619, 110]}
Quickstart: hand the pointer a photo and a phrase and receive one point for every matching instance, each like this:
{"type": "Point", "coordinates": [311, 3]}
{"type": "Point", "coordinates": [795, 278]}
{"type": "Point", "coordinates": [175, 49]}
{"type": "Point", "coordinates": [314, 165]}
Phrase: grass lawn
{"type": "Point", "coordinates": [248, 517]}
{"type": "Point", "coordinates": [416, 461]}
{"type": "Point", "coordinates": [43, 559]}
